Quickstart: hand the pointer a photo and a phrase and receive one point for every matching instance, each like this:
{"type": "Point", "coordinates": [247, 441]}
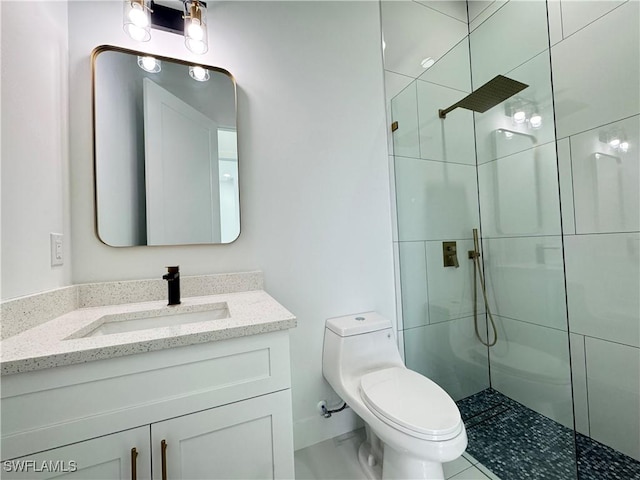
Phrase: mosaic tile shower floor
{"type": "Point", "coordinates": [516, 443]}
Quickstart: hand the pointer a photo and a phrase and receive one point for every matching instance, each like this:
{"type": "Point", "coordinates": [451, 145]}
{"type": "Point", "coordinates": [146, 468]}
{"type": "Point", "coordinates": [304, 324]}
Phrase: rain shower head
{"type": "Point", "coordinates": [487, 96]}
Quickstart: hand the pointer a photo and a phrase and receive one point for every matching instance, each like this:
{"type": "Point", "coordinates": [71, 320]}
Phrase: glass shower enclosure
{"type": "Point", "coordinates": [497, 172]}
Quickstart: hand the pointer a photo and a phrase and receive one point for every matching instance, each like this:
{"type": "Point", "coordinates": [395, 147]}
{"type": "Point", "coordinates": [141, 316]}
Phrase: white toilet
{"type": "Point", "coordinates": [412, 425]}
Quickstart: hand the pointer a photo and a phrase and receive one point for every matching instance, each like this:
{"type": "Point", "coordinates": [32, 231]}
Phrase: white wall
{"type": "Point", "coordinates": [35, 146]}
{"type": "Point", "coordinates": [314, 178]}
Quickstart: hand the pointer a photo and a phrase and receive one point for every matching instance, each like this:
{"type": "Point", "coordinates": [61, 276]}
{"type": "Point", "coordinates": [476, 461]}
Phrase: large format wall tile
{"type": "Point", "coordinates": [613, 376]}
{"type": "Point", "coordinates": [514, 34]}
{"type": "Point", "coordinates": [595, 81]}
{"type": "Point", "coordinates": [580, 13]}
{"type": "Point", "coordinates": [450, 288]}
{"type": "Point", "coordinates": [566, 186]}
{"type": "Point", "coordinates": [449, 139]}
{"type": "Point", "coordinates": [436, 200]}
{"type": "Point", "coordinates": [413, 278]}
{"type": "Point", "coordinates": [453, 8]}
{"type": "Point", "coordinates": [452, 70]}
{"type": "Point", "coordinates": [481, 10]}
{"type": "Point", "coordinates": [525, 279]}
{"type": "Point", "coordinates": [519, 194]}
{"type": "Point", "coordinates": [449, 354]}
{"type": "Point", "coordinates": [579, 382]}
{"type": "Point", "coordinates": [603, 286]}
{"type": "Point", "coordinates": [413, 32]}
{"type": "Point", "coordinates": [498, 135]}
{"type": "Point", "coordinates": [530, 364]}
{"type": "Point", "coordinates": [606, 180]}
{"type": "Point", "coordinates": [404, 110]}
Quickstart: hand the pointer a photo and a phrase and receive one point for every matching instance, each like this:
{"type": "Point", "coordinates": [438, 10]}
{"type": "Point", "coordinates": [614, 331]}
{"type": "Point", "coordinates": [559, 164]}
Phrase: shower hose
{"type": "Point", "coordinates": [477, 273]}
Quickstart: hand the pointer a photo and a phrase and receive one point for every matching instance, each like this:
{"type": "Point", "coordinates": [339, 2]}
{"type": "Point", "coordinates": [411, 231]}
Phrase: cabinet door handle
{"type": "Point", "coordinates": [163, 446]}
{"type": "Point", "coordinates": [134, 457]}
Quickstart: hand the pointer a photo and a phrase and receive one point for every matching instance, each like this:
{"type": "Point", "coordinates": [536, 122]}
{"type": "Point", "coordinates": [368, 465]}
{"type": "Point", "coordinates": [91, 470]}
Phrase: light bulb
{"type": "Point", "coordinates": [196, 46]}
{"type": "Point", "coordinates": [535, 120]}
{"type": "Point", "coordinates": [198, 73]}
{"type": "Point", "coordinates": [149, 64]}
{"type": "Point", "coordinates": [137, 33]}
{"type": "Point", "coordinates": [519, 116]}
{"type": "Point", "coordinates": [427, 62]}
{"type": "Point", "coordinates": [138, 16]}
{"type": "Point", "coordinates": [195, 31]}
{"type": "Point", "coordinates": [614, 142]}
{"type": "Point", "coordinates": [624, 146]}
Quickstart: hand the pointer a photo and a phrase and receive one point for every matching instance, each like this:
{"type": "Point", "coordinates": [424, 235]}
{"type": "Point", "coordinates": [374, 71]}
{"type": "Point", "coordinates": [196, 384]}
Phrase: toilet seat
{"type": "Point", "coordinates": [412, 403]}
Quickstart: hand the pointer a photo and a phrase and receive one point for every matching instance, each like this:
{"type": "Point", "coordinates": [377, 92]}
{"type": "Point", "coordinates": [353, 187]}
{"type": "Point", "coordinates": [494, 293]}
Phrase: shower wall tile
{"type": "Point", "coordinates": [525, 279]}
{"type": "Point", "coordinates": [483, 10]}
{"type": "Point", "coordinates": [555, 21]}
{"type": "Point", "coordinates": [450, 288]}
{"type": "Point", "coordinates": [454, 8]}
{"type": "Point", "coordinates": [579, 382]}
{"type": "Point", "coordinates": [394, 83]}
{"type": "Point", "coordinates": [436, 200]}
{"type": "Point", "coordinates": [404, 110]}
{"type": "Point", "coordinates": [452, 70]}
{"type": "Point", "coordinates": [449, 354]}
{"type": "Point", "coordinates": [602, 86]}
{"type": "Point", "coordinates": [603, 286]}
{"type": "Point", "coordinates": [497, 135]}
{"type": "Point", "coordinates": [514, 34]}
{"type": "Point", "coordinates": [530, 364]}
{"type": "Point", "coordinates": [613, 376]}
{"type": "Point", "coordinates": [413, 279]}
{"type": "Point", "coordinates": [566, 186]}
{"type": "Point", "coordinates": [412, 32]}
{"type": "Point", "coordinates": [519, 194]}
{"type": "Point", "coordinates": [607, 180]}
{"type": "Point", "coordinates": [449, 139]}
{"type": "Point", "coordinates": [580, 13]}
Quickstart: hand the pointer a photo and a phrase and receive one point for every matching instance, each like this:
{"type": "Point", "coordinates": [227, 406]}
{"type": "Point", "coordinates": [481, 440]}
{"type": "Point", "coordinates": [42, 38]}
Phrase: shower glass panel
{"type": "Point", "coordinates": [496, 171]}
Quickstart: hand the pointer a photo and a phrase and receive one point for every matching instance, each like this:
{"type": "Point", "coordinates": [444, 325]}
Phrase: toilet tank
{"type": "Point", "coordinates": [356, 344]}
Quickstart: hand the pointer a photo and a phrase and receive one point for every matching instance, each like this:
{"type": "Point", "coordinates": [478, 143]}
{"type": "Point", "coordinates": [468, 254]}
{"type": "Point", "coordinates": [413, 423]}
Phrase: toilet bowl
{"type": "Point", "coordinates": [413, 426]}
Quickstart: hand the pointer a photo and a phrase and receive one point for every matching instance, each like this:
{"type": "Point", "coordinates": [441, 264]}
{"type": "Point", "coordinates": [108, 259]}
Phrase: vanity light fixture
{"type": "Point", "coordinates": [191, 21]}
{"type": "Point", "coordinates": [149, 64]}
{"type": "Point", "coordinates": [137, 19]}
{"type": "Point", "coordinates": [198, 73]}
{"type": "Point", "coordinates": [535, 120]}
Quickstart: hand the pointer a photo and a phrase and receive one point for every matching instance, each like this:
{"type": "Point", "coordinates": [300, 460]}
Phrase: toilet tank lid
{"type": "Point", "coordinates": [357, 324]}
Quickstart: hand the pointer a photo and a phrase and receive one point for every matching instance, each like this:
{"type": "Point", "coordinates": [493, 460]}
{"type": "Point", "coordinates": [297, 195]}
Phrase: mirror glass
{"type": "Point", "coordinates": [165, 150]}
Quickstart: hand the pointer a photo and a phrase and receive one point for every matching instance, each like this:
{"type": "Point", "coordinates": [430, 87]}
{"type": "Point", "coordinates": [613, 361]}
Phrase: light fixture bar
{"type": "Point", "coordinates": [167, 19]}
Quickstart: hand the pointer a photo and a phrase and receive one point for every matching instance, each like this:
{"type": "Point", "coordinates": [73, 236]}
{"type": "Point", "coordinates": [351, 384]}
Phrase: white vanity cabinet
{"type": "Point", "coordinates": [108, 457]}
{"type": "Point", "coordinates": [223, 410]}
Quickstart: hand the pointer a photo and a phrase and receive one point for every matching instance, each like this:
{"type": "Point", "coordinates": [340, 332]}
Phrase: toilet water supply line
{"type": "Point", "coordinates": [477, 273]}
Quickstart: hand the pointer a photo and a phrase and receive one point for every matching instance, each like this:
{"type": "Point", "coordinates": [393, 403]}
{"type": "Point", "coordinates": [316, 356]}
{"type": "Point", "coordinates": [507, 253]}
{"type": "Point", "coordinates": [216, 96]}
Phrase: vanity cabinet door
{"type": "Point", "coordinates": [104, 458]}
{"type": "Point", "coordinates": [250, 439]}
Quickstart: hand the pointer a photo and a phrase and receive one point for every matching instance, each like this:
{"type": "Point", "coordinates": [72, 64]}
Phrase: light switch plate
{"type": "Point", "coordinates": [57, 257]}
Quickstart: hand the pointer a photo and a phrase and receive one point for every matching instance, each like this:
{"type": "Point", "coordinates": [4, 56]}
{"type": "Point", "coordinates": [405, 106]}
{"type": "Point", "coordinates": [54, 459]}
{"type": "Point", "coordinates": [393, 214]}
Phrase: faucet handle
{"type": "Point", "coordinates": [174, 269]}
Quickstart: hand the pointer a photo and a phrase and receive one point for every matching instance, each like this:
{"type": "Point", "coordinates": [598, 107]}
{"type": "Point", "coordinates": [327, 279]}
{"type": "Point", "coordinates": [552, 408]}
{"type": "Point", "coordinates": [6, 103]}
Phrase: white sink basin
{"type": "Point", "coordinates": [122, 323]}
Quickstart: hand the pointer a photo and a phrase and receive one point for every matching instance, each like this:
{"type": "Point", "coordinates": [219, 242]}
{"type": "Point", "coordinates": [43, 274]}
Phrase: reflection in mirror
{"type": "Point", "coordinates": [165, 148]}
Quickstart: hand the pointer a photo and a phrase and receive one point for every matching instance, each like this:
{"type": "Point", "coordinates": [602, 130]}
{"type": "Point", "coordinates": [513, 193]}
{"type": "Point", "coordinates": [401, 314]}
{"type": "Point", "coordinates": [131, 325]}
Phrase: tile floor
{"type": "Point", "coordinates": [337, 459]}
{"type": "Point", "coordinates": [507, 441]}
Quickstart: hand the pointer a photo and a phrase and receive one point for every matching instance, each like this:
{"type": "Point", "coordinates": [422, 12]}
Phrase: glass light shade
{"type": "Point", "coordinates": [195, 27]}
{"type": "Point", "coordinates": [520, 116]}
{"type": "Point", "coordinates": [535, 121]}
{"type": "Point", "coordinates": [136, 19]}
{"type": "Point", "coordinates": [614, 142]}
{"type": "Point", "coordinates": [198, 73]}
{"type": "Point", "coordinates": [149, 64]}
{"type": "Point", "coordinates": [624, 146]}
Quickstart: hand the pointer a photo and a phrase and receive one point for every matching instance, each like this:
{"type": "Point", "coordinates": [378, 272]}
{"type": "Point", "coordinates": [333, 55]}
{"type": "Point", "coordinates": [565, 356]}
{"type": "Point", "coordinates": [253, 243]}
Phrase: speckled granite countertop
{"type": "Point", "coordinates": [56, 343]}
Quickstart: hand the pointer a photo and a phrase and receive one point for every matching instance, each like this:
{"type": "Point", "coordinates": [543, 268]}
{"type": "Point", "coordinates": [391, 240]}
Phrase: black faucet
{"type": "Point", "coordinates": [173, 282]}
